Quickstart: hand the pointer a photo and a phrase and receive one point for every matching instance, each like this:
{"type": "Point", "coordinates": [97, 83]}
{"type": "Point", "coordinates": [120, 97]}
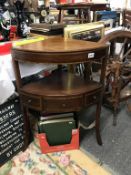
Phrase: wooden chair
{"type": "Point", "coordinates": [118, 73]}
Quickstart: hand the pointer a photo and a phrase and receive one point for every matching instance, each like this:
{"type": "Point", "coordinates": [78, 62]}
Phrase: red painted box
{"type": "Point", "coordinates": [46, 148]}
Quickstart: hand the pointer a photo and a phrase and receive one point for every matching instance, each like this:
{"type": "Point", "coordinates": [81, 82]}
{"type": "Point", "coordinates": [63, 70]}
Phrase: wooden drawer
{"type": "Point", "coordinates": [31, 101]}
{"type": "Point", "coordinates": [62, 104]}
{"type": "Point", "coordinates": [92, 98]}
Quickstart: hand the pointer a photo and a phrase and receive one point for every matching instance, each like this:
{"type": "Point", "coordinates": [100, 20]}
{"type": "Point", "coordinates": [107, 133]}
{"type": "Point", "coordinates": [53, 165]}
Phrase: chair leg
{"type": "Point", "coordinates": [97, 125]}
{"type": "Point", "coordinates": [116, 103]}
{"type": "Point", "coordinates": [115, 116]}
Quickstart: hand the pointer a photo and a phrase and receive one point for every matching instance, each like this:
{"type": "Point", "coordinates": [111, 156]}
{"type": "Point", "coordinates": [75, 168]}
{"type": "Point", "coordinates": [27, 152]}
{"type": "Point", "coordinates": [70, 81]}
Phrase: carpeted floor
{"type": "Point", "coordinates": [32, 162]}
{"type": "Point", "coordinates": [114, 155]}
{"type": "Point", "coordinates": [116, 150]}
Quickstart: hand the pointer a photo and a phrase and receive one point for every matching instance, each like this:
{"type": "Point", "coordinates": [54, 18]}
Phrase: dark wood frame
{"type": "Point", "coordinates": [87, 7]}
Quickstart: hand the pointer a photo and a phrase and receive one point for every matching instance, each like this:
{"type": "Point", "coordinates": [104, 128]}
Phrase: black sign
{"type": "Point", "coordinates": [11, 130]}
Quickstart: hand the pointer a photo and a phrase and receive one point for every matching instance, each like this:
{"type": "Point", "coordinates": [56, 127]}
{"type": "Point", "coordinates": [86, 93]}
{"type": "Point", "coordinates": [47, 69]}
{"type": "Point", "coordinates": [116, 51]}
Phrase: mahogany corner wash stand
{"type": "Point", "coordinates": [62, 91]}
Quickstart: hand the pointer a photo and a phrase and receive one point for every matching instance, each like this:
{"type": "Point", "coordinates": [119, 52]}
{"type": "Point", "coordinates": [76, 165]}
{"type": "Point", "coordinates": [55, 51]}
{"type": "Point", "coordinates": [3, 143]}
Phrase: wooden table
{"type": "Point", "coordinates": [62, 91]}
{"type": "Point", "coordinates": [87, 7]}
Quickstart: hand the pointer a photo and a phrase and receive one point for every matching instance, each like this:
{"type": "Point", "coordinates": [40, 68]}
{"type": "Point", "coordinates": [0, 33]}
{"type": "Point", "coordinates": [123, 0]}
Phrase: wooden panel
{"type": "Point", "coordinates": [31, 101]}
{"type": "Point", "coordinates": [63, 104]}
{"type": "Point", "coordinates": [92, 98]}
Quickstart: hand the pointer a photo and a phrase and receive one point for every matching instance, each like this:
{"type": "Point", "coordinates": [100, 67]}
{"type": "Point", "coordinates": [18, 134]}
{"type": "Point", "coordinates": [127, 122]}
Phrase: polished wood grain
{"type": "Point", "coordinates": [59, 44]}
{"type": "Point", "coordinates": [61, 84]}
{"type": "Point", "coordinates": [57, 50]}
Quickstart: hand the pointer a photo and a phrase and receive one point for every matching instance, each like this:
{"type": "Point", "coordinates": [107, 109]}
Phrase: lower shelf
{"type": "Point", "coordinates": [60, 92]}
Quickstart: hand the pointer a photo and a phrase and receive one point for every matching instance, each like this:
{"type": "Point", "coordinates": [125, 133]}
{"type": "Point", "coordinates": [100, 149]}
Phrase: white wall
{"type": "Point", "coordinates": [120, 3]}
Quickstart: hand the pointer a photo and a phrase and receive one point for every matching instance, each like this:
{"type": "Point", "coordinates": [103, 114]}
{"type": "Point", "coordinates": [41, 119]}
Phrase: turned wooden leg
{"type": "Point", "coordinates": [116, 92]}
{"type": "Point", "coordinates": [97, 125]}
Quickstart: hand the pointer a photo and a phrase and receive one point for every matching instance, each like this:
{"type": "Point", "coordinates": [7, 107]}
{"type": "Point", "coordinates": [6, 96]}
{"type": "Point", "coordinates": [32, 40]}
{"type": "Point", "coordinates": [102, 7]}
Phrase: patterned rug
{"type": "Point", "coordinates": [32, 162]}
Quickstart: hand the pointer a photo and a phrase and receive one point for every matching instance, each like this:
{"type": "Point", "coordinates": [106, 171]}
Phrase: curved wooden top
{"type": "Point", "coordinates": [56, 50]}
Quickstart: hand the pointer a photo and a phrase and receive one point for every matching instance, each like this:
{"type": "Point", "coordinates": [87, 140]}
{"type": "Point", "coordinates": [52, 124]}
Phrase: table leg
{"type": "Point", "coordinates": [80, 16]}
{"type": "Point", "coordinates": [87, 15]}
{"type": "Point", "coordinates": [59, 16]}
{"type": "Point", "coordinates": [97, 124]}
